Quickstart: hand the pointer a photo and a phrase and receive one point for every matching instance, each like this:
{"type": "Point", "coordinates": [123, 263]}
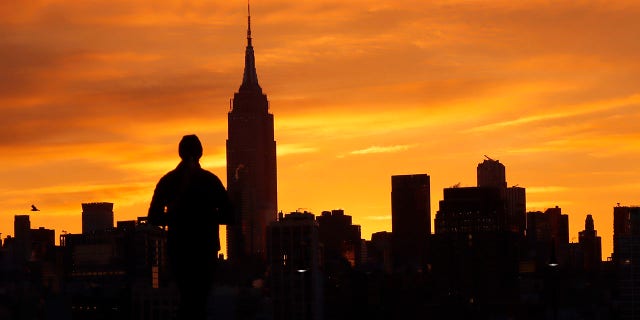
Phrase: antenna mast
{"type": "Point", "coordinates": [249, 21]}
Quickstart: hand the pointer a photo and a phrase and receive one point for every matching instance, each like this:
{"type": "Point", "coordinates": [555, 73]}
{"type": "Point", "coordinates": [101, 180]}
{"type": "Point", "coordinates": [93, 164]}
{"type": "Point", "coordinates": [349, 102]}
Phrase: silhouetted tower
{"type": "Point", "coordinates": [341, 239]}
{"type": "Point", "coordinates": [626, 250]}
{"type": "Point", "coordinates": [22, 234]}
{"type": "Point", "coordinates": [622, 230]}
{"type": "Point", "coordinates": [293, 257]}
{"type": "Point", "coordinates": [491, 173]}
{"type": "Point", "coordinates": [410, 219]}
{"type": "Point", "coordinates": [251, 164]}
{"type": "Point", "coordinates": [591, 245]}
{"type": "Point", "coordinates": [97, 217]}
{"type": "Point", "coordinates": [547, 229]}
{"type": "Point", "coordinates": [470, 210]}
{"type": "Point", "coordinates": [21, 226]}
{"type": "Point", "coordinates": [42, 242]}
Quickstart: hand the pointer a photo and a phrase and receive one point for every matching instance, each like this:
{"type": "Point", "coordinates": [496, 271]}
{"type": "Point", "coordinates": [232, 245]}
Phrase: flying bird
{"type": "Point", "coordinates": [33, 208]}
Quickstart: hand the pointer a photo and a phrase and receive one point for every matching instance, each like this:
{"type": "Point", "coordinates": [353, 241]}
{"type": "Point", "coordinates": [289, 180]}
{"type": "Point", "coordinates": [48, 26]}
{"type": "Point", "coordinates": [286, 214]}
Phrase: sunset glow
{"type": "Point", "coordinates": [96, 95]}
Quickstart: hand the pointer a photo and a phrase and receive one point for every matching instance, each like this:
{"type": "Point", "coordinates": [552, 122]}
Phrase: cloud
{"type": "Point", "coordinates": [288, 149]}
{"type": "Point", "coordinates": [385, 217]}
{"type": "Point", "coordinates": [95, 94]}
{"type": "Point", "coordinates": [546, 189]}
{"type": "Point", "coordinates": [543, 205]}
{"type": "Point", "coordinates": [570, 111]}
{"type": "Point", "coordinates": [381, 149]}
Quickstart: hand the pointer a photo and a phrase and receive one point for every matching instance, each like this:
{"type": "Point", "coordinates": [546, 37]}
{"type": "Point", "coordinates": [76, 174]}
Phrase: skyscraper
{"type": "Point", "coordinates": [548, 236]}
{"type": "Point", "coordinates": [341, 239]}
{"type": "Point", "coordinates": [474, 249]}
{"type": "Point", "coordinates": [491, 173]}
{"type": "Point", "coordinates": [21, 231]}
{"type": "Point", "coordinates": [97, 217]}
{"type": "Point", "coordinates": [251, 164]}
{"type": "Point", "coordinates": [591, 245]}
{"type": "Point", "coordinates": [626, 249]}
{"type": "Point", "coordinates": [410, 219]}
{"type": "Point", "coordinates": [293, 257]}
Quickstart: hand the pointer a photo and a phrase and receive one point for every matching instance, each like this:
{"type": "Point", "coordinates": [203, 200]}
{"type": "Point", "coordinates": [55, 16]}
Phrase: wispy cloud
{"type": "Point", "coordinates": [288, 149]}
{"type": "Point", "coordinates": [95, 95]}
{"type": "Point", "coordinates": [543, 205]}
{"type": "Point", "coordinates": [381, 149]}
{"type": "Point", "coordinates": [572, 111]}
{"type": "Point", "coordinates": [546, 189]}
{"type": "Point", "coordinates": [385, 217]}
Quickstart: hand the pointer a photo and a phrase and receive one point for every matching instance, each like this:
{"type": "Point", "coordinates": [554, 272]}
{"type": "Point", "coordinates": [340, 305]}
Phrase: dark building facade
{"type": "Point", "coordinates": [97, 217]}
{"type": "Point", "coordinates": [491, 173]}
{"type": "Point", "coordinates": [626, 250]}
{"type": "Point", "coordinates": [548, 237]}
{"type": "Point", "coordinates": [251, 164]}
{"type": "Point", "coordinates": [22, 237]}
{"type": "Point", "coordinates": [591, 245]}
{"type": "Point", "coordinates": [410, 219]}
{"type": "Point", "coordinates": [340, 238]}
{"type": "Point", "coordinates": [469, 210]}
{"type": "Point", "coordinates": [475, 248]}
{"type": "Point", "coordinates": [622, 230]}
{"type": "Point", "coordinates": [516, 203]}
{"type": "Point", "coordinates": [293, 257]}
{"type": "Point", "coordinates": [121, 273]}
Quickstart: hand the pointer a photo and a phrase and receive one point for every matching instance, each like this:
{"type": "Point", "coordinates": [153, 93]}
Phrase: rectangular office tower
{"type": "Point", "coordinates": [626, 250]}
{"type": "Point", "coordinates": [293, 252]}
{"type": "Point", "coordinates": [410, 220]}
{"type": "Point", "coordinates": [97, 217]}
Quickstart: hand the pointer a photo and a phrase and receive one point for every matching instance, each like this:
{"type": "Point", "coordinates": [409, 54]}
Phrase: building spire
{"type": "Point", "coordinates": [250, 78]}
{"type": "Point", "coordinates": [248, 23]}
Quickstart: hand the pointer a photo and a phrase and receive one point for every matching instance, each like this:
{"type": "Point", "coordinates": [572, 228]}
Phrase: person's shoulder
{"type": "Point", "coordinates": [209, 175]}
{"type": "Point", "coordinates": [169, 176]}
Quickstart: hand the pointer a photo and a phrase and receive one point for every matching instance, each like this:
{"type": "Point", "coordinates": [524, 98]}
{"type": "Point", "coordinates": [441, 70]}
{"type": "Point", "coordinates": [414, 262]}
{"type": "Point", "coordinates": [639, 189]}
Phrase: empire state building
{"type": "Point", "coordinates": [251, 165]}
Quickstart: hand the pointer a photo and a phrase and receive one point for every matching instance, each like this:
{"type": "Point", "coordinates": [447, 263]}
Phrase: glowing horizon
{"type": "Point", "coordinates": [95, 97]}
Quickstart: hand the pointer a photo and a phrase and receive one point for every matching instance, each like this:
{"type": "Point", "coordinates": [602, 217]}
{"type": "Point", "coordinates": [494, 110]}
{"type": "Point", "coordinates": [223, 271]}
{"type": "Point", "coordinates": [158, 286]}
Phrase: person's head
{"type": "Point", "coordinates": [190, 148]}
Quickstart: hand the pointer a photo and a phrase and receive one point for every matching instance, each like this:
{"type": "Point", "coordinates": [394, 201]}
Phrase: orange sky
{"type": "Point", "coordinates": [95, 96]}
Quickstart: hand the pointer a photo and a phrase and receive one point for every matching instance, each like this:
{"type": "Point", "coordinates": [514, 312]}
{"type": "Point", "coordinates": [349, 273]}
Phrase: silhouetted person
{"type": "Point", "coordinates": [192, 203]}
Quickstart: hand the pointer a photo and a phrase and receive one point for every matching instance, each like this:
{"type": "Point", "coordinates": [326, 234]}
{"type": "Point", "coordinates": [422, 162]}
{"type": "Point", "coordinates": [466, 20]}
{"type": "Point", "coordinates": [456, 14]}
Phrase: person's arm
{"type": "Point", "coordinates": [157, 209]}
{"type": "Point", "coordinates": [225, 214]}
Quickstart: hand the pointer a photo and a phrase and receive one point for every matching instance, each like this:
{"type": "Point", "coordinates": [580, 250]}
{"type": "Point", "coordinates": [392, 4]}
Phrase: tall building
{"type": "Point", "coordinates": [591, 245]}
{"type": "Point", "coordinates": [548, 236]}
{"type": "Point", "coordinates": [121, 273]}
{"type": "Point", "coordinates": [621, 230]}
{"type": "Point", "coordinates": [410, 219]}
{"type": "Point", "coordinates": [516, 202]}
{"type": "Point", "coordinates": [293, 257]}
{"type": "Point", "coordinates": [22, 234]}
{"type": "Point", "coordinates": [97, 217]}
{"type": "Point", "coordinates": [470, 210]}
{"type": "Point", "coordinates": [491, 173]}
{"type": "Point", "coordinates": [626, 249]}
{"type": "Point", "coordinates": [340, 238]}
{"type": "Point", "coordinates": [251, 164]}
{"type": "Point", "coordinates": [474, 250]}
{"type": "Point", "coordinates": [379, 251]}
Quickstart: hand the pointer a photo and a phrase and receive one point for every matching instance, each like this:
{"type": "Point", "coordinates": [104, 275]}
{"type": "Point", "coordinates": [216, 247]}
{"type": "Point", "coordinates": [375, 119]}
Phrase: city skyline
{"type": "Point", "coordinates": [95, 95]}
